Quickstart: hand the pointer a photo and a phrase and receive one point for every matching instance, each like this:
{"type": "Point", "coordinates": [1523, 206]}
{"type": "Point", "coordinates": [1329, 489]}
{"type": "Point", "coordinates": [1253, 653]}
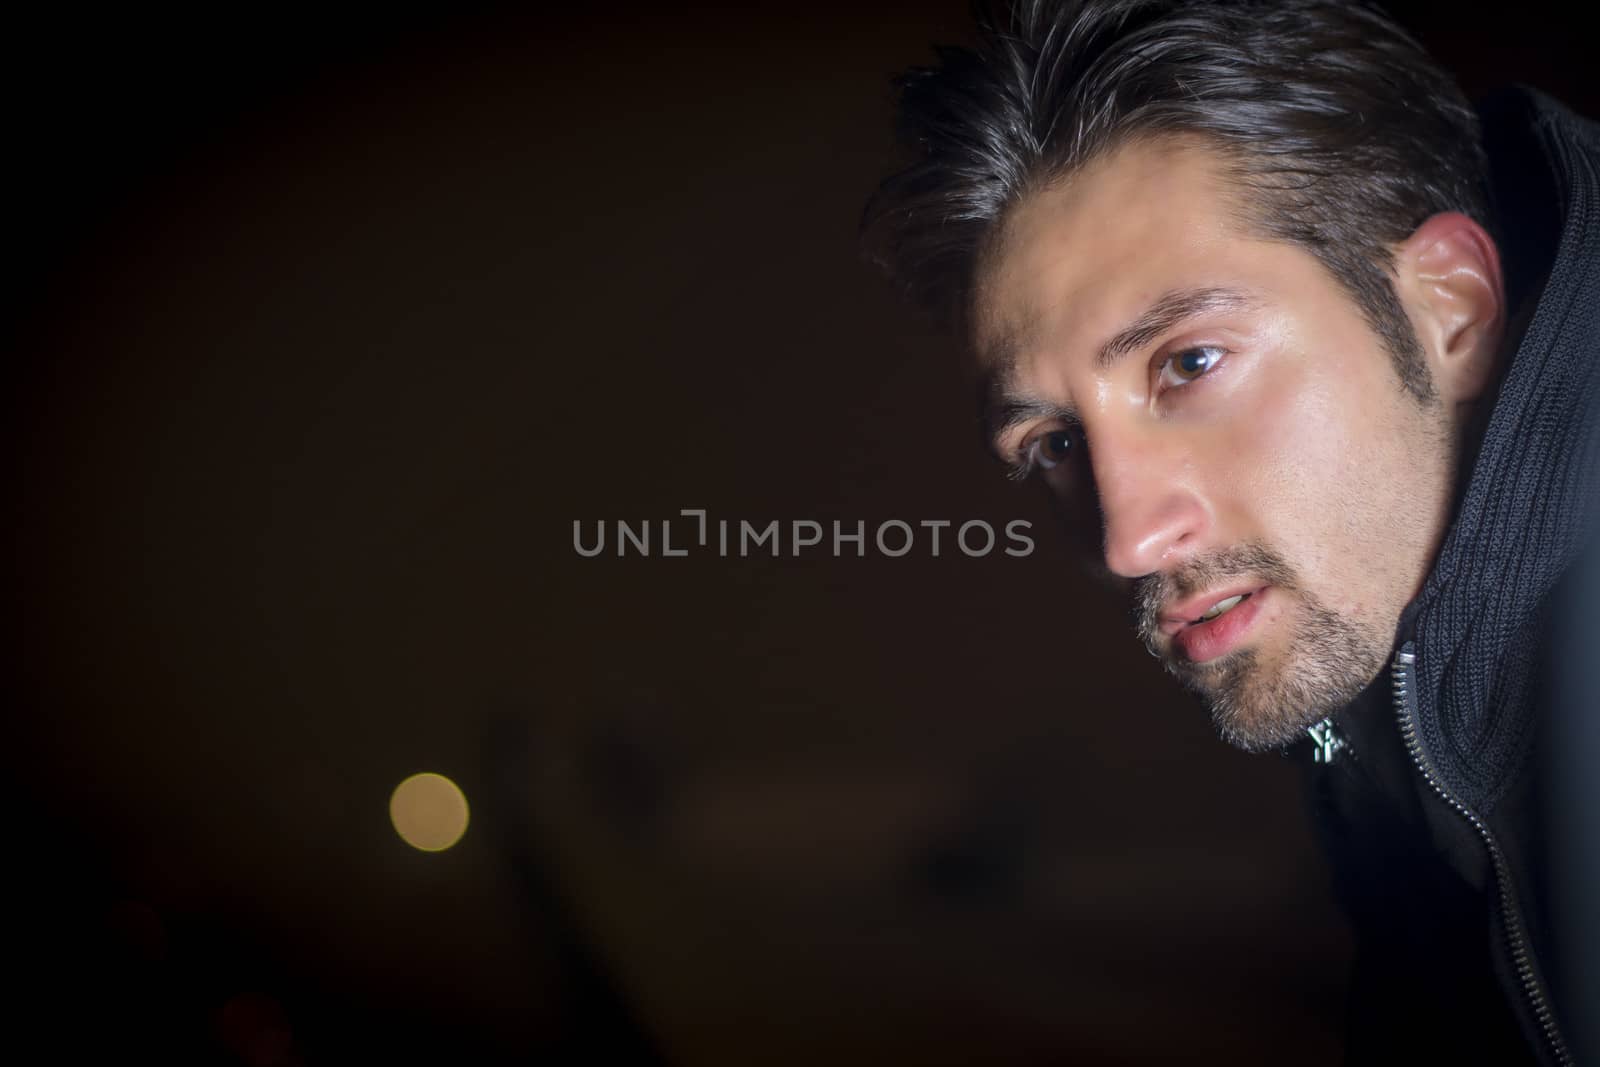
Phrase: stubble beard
{"type": "Point", "coordinates": [1258, 705]}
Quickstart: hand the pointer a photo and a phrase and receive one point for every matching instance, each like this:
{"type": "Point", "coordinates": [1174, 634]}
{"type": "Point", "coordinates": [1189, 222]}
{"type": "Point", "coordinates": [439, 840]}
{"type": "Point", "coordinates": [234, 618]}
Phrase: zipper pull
{"type": "Point", "coordinates": [1326, 741]}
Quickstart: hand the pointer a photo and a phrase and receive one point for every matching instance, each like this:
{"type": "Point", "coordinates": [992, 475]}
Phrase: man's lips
{"type": "Point", "coordinates": [1179, 616]}
{"type": "Point", "coordinates": [1201, 641]}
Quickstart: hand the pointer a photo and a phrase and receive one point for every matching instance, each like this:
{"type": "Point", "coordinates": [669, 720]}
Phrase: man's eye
{"type": "Point", "coordinates": [1053, 448]}
{"type": "Point", "coordinates": [1049, 450]}
{"type": "Point", "coordinates": [1181, 368]}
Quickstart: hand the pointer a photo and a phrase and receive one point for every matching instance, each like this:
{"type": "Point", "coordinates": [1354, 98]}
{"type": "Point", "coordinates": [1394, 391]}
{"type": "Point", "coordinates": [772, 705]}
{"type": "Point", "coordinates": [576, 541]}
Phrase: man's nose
{"type": "Point", "coordinates": [1151, 513]}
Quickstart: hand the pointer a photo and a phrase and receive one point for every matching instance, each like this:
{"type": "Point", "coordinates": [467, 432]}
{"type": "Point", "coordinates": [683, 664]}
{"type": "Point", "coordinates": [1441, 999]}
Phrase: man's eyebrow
{"type": "Point", "coordinates": [1005, 408]}
{"type": "Point", "coordinates": [1172, 308]}
{"type": "Point", "coordinates": [1004, 412]}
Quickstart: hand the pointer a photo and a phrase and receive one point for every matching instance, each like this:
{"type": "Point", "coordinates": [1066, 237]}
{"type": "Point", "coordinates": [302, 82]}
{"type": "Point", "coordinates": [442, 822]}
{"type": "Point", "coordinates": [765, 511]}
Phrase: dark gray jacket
{"type": "Point", "coordinates": [1461, 828]}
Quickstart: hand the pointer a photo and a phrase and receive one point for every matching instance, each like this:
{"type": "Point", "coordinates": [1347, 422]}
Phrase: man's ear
{"type": "Point", "coordinates": [1450, 281]}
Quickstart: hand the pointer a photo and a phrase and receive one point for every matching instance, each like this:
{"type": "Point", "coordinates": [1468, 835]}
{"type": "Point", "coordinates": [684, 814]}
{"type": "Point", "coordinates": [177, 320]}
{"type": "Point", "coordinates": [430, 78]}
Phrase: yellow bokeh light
{"type": "Point", "coordinates": [429, 812]}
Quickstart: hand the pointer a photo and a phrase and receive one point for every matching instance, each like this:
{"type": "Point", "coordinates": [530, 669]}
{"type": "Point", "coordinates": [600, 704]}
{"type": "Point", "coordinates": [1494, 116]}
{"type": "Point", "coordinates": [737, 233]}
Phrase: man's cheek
{"type": "Point", "coordinates": [1316, 443]}
{"type": "Point", "coordinates": [1295, 460]}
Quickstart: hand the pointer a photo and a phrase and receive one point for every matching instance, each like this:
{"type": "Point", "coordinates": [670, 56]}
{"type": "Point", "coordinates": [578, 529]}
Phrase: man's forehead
{"type": "Point", "coordinates": [1079, 255]}
{"type": "Point", "coordinates": [997, 344]}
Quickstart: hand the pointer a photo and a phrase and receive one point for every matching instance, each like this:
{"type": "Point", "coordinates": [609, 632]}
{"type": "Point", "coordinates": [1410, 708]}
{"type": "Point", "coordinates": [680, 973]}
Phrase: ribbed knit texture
{"type": "Point", "coordinates": [1524, 512]}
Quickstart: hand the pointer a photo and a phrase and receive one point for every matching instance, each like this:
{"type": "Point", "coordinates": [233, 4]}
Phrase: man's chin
{"type": "Point", "coordinates": [1264, 696]}
{"type": "Point", "coordinates": [1252, 709]}
{"type": "Point", "coordinates": [1215, 678]}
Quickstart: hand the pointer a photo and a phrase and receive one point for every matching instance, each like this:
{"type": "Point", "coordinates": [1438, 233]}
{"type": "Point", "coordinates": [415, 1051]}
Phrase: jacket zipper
{"type": "Point", "coordinates": [1511, 916]}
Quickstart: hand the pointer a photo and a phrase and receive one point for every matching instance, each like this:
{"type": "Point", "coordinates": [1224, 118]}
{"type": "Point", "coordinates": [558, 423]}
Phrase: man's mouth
{"type": "Point", "coordinates": [1206, 607]}
{"type": "Point", "coordinates": [1209, 626]}
{"type": "Point", "coordinates": [1222, 607]}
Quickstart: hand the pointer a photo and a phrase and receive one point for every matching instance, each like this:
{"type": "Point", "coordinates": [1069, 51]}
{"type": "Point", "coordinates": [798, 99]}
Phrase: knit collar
{"type": "Point", "coordinates": [1519, 517]}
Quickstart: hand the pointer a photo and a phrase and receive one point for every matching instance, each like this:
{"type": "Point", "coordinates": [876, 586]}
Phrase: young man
{"type": "Point", "coordinates": [1302, 343]}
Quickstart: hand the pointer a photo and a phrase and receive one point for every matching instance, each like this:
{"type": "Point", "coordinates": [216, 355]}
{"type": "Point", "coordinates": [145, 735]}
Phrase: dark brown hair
{"type": "Point", "coordinates": [1343, 134]}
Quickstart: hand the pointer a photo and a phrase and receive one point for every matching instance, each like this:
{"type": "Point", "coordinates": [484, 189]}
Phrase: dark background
{"type": "Point", "coordinates": [326, 329]}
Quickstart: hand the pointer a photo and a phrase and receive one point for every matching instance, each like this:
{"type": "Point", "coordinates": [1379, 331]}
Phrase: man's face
{"type": "Point", "coordinates": [1220, 405]}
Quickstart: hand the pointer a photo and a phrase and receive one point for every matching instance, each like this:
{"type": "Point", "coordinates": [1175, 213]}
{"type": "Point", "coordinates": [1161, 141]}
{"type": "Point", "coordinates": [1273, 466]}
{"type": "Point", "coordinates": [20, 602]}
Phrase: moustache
{"type": "Point", "coordinates": [1253, 559]}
